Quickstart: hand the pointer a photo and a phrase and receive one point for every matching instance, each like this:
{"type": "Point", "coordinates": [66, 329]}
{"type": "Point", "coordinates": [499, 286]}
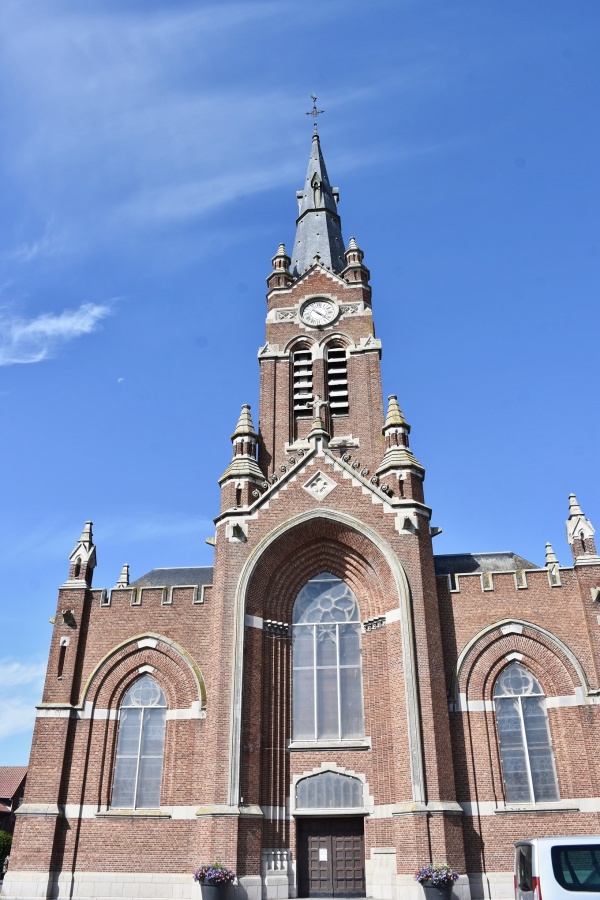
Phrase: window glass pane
{"type": "Point", "coordinates": [349, 638]}
{"type": "Point", "coordinates": [525, 869]}
{"type": "Point", "coordinates": [327, 704]}
{"type": "Point", "coordinates": [536, 721]}
{"type": "Point", "coordinates": [577, 868]}
{"type": "Point", "coordinates": [129, 732]}
{"type": "Point", "coordinates": [327, 610]}
{"type": "Point", "coordinates": [516, 778]}
{"type": "Point", "coordinates": [149, 779]}
{"type": "Point", "coordinates": [153, 732]}
{"type": "Point", "coordinates": [329, 790]}
{"type": "Point", "coordinates": [124, 783]}
{"type": "Point", "coordinates": [514, 762]}
{"type": "Point", "coordinates": [351, 703]}
{"type": "Point", "coordinates": [304, 704]}
{"type": "Point", "coordinates": [303, 646]}
{"type": "Point", "coordinates": [541, 757]}
{"type": "Point", "coordinates": [326, 645]}
{"type": "Point", "coordinates": [543, 775]}
{"type": "Point", "coordinates": [510, 730]}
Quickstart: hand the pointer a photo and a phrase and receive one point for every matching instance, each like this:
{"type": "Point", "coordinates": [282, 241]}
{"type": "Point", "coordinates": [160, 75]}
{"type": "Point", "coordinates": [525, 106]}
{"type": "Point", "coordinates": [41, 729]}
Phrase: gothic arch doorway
{"type": "Point", "coordinates": [330, 836]}
{"type": "Point", "coordinates": [331, 856]}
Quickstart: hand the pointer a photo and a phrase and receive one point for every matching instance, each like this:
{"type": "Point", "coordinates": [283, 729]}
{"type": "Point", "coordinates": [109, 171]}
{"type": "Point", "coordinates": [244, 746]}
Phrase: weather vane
{"type": "Point", "coordinates": [314, 112]}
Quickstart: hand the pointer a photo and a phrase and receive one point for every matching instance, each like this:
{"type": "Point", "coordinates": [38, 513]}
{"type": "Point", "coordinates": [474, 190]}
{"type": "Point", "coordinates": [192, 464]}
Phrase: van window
{"type": "Point", "coordinates": [577, 867]}
{"type": "Point", "coordinates": [524, 869]}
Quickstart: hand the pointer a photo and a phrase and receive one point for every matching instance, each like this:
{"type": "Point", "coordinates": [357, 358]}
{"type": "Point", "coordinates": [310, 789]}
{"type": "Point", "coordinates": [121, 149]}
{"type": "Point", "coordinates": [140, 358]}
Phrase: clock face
{"type": "Point", "coordinates": [318, 312]}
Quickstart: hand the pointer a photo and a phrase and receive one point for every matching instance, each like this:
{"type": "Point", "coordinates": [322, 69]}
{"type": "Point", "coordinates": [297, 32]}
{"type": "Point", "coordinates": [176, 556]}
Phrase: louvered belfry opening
{"type": "Point", "coordinates": [337, 380]}
{"type": "Point", "coordinates": [302, 388]}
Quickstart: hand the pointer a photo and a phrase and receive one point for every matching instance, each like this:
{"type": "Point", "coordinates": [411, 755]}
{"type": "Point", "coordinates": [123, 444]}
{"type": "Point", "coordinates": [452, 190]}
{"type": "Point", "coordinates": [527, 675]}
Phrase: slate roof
{"type": "Point", "coordinates": [10, 780]}
{"type": "Point", "coordinates": [168, 577]}
{"type": "Point", "coordinates": [318, 228]}
{"type": "Point", "coordinates": [457, 563]}
{"type": "Point", "coordinates": [477, 563]}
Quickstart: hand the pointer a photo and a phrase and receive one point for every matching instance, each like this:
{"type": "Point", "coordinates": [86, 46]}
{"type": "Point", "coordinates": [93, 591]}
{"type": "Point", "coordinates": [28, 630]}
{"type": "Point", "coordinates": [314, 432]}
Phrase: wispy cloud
{"type": "Point", "coordinates": [49, 244]}
{"type": "Point", "coordinates": [33, 340]}
{"type": "Point", "coordinates": [20, 690]}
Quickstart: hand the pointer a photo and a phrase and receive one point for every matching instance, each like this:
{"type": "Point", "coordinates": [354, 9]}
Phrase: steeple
{"type": "Point", "coordinates": [318, 226]}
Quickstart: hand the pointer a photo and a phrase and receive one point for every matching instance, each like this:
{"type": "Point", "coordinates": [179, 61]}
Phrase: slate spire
{"type": "Point", "coordinates": [318, 226]}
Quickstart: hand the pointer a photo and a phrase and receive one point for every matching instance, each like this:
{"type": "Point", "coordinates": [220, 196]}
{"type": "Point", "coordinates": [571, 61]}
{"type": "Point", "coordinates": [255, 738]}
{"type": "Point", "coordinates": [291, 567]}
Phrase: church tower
{"type": "Point", "coordinates": [326, 568]}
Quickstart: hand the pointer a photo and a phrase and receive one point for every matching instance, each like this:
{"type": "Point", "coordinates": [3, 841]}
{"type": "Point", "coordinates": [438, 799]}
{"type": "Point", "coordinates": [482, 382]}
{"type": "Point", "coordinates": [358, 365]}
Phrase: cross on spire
{"type": "Point", "coordinates": [314, 112]}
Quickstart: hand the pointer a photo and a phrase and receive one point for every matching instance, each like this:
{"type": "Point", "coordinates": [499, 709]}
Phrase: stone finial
{"type": "Point", "coordinates": [574, 507]}
{"type": "Point", "coordinates": [85, 550]}
{"type": "Point", "coordinates": [245, 425]}
{"type": "Point", "coordinates": [551, 559]}
{"type": "Point", "coordinates": [243, 465]}
{"type": "Point", "coordinates": [82, 560]}
{"type": "Point", "coordinates": [394, 416]}
{"type": "Point", "coordinates": [352, 245]}
{"type": "Point", "coordinates": [281, 260]}
{"type": "Point", "coordinates": [123, 581]}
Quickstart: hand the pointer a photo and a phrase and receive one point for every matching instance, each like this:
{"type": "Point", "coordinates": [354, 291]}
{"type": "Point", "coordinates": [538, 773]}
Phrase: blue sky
{"type": "Point", "coordinates": [150, 156]}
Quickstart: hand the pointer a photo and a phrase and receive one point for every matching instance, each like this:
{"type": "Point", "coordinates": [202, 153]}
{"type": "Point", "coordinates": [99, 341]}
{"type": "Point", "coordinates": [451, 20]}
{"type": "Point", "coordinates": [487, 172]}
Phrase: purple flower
{"type": "Point", "coordinates": [436, 876]}
{"type": "Point", "coordinates": [214, 873]}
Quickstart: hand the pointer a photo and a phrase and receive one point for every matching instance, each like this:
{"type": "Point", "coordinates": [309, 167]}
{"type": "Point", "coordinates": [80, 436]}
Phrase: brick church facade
{"type": "Point", "coordinates": [331, 705]}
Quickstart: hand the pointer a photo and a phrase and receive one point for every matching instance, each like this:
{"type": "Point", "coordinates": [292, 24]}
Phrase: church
{"type": "Point", "coordinates": [331, 705]}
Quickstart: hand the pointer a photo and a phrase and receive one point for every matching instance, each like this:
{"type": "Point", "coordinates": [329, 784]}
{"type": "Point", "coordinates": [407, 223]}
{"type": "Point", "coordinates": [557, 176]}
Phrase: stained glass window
{"type": "Point", "coordinates": [329, 790]}
{"type": "Point", "coordinates": [525, 744]}
{"type": "Point", "coordinates": [327, 687]}
{"type": "Point", "coordinates": [140, 746]}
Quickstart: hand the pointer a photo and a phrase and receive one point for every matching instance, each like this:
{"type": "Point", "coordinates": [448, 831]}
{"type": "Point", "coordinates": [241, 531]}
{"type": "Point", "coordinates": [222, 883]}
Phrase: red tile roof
{"type": "Point", "coordinates": [10, 780]}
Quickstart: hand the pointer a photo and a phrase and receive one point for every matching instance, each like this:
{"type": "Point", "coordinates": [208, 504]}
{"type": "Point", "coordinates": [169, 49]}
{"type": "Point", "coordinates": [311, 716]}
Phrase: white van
{"type": "Point", "coordinates": [561, 868]}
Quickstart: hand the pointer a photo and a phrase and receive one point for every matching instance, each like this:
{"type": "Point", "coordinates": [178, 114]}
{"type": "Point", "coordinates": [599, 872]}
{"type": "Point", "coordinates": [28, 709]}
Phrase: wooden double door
{"type": "Point", "coordinates": [331, 857]}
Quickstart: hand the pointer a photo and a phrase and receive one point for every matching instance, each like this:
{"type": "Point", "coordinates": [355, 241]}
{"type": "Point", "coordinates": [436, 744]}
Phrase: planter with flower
{"type": "Point", "coordinates": [215, 881]}
{"type": "Point", "coordinates": [436, 881]}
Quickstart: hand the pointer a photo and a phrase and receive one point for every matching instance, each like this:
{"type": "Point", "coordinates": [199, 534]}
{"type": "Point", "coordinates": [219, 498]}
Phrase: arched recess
{"type": "Point", "coordinates": [301, 383]}
{"type": "Point", "coordinates": [117, 669]}
{"type": "Point", "coordinates": [179, 678]}
{"type": "Point", "coordinates": [290, 555]}
{"type": "Point", "coordinates": [335, 355]}
{"type": "Point", "coordinates": [493, 642]}
{"type": "Point", "coordinates": [559, 673]}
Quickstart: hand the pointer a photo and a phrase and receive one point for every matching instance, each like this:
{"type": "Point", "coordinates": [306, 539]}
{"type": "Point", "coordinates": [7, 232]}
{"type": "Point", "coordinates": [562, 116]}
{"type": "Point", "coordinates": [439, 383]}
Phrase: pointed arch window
{"type": "Point", "coordinates": [337, 380]}
{"type": "Point", "coordinates": [302, 382]}
{"type": "Point", "coordinates": [140, 746]}
{"type": "Point", "coordinates": [525, 744]}
{"type": "Point", "coordinates": [327, 668]}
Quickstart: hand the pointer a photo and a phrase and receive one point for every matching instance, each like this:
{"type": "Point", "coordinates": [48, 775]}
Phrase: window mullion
{"type": "Point", "coordinates": [315, 682]}
{"type": "Point", "coordinates": [139, 754]}
{"type": "Point", "coordinates": [337, 676]}
{"type": "Point", "coordinates": [525, 747]}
